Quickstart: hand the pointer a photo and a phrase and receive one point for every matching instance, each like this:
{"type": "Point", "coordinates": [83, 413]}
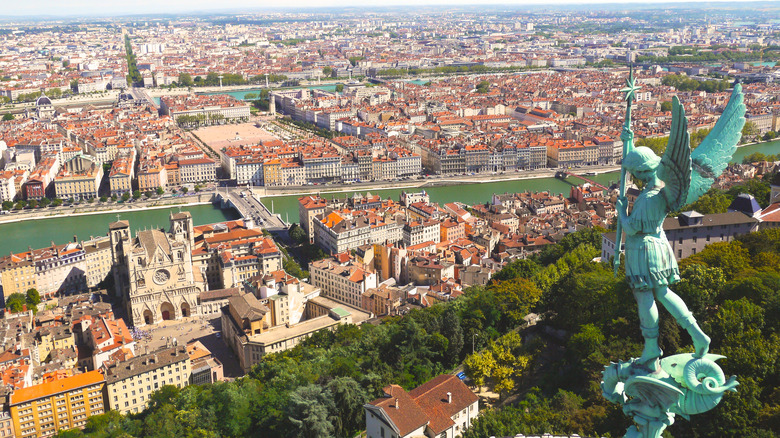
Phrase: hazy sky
{"type": "Point", "coordinates": [117, 7]}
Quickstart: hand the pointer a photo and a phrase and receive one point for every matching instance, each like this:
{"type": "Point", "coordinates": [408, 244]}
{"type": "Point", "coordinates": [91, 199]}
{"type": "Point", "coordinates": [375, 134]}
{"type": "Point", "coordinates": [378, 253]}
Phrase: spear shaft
{"type": "Point", "coordinates": [627, 146]}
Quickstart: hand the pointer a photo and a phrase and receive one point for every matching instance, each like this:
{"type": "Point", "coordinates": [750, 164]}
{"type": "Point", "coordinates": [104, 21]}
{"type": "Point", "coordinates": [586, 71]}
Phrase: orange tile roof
{"type": "Point", "coordinates": [56, 387]}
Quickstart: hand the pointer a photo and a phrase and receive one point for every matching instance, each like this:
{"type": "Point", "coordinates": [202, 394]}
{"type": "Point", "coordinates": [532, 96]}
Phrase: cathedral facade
{"type": "Point", "coordinates": [153, 271]}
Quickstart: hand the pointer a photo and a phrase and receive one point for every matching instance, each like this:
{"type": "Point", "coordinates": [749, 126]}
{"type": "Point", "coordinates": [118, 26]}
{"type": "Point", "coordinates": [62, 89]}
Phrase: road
{"type": "Point", "coordinates": [250, 206]}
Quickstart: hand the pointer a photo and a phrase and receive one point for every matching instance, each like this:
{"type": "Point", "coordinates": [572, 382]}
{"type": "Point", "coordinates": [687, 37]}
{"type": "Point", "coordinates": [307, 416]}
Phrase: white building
{"type": "Point", "coordinates": [443, 408]}
{"type": "Point", "coordinates": [344, 282]}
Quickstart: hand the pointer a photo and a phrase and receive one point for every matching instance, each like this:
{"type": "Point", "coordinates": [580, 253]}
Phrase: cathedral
{"type": "Point", "coordinates": [153, 271]}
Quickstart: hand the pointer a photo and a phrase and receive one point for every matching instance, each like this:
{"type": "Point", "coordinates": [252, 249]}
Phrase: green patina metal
{"type": "Point", "coordinates": [653, 389]}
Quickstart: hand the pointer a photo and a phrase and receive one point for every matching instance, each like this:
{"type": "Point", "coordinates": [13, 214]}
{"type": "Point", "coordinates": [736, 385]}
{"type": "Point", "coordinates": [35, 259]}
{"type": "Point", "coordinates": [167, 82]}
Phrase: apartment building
{"type": "Point", "coordinates": [416, 232]}
{"type": "Point", "coordinates": [79, 178]}
{"type": "Point", "coordinates": [37, 185]}
{"type": "Point", "coordinates": [209, 108]}
{"type": "Point", "coordinates": [122, 173]}
{"type": "Point", "coordinates": [17, 274]}
{"type": "Point", "coordinates": [130, 383]}
{"type": "Point", "coordinates": [7, 186]}
{"type": "Point", "coordinates": [570, 153]}
{"type": "Point", "coordinates": [342, 281]}
{"type": "Point", "coordinates": [339, 231]}
{"type": "Point", "coordinates": [197, 170]}
{"type": "Point", "coordinates": [43, 410]}
{"type": "Point", "coordinates": [228, 253]}
{"type": "Point", "coordinates": [308, 208]}
{"type": "Point", "coordinates": [151, 175]}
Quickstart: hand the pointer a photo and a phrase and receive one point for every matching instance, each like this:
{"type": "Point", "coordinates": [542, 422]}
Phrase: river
{"type": "Point", "coordinates": [39, 233]}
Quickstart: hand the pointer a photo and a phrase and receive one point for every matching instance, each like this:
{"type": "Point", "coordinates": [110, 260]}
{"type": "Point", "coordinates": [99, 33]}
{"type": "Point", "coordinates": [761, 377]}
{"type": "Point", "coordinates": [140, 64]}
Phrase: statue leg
{"type": "Point", "coordinates": [676, 306]}
{"type": "Point", "coordinates": [648, 320]}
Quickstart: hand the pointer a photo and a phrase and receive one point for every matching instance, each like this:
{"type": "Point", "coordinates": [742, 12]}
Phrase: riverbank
{"type": "Point", "coordinates": [105, 208]}
{"type": "Point", "coordinates": [269, 192]}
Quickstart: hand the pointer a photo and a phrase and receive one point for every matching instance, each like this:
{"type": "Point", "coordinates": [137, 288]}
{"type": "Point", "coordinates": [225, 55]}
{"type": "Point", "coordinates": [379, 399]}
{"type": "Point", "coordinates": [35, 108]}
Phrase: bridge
{"type": "Point", "coordinates": [562, 174]}
{"type": "Point", "coordinates": [250, 207]}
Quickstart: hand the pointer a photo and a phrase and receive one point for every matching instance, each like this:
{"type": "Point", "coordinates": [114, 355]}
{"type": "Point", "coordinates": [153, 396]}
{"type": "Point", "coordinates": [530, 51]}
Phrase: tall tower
{"type": "Point", "coordinates": [182, 228]}
{"type": "Point", "coordinates": [119, 234]}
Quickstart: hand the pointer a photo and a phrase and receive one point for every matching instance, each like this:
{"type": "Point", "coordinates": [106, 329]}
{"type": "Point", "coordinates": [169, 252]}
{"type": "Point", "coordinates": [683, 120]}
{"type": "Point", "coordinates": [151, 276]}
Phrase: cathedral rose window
{"type": "Point", "coordinates": [161, 276]}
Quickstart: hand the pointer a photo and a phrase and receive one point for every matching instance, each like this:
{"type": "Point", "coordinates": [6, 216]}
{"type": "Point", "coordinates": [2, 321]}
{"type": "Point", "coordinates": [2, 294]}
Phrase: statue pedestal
{"type": "Point", "coordinates": [682, 384]}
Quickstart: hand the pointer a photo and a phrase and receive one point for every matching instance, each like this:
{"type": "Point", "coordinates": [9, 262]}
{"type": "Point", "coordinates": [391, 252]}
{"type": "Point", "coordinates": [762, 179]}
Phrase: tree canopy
{"type": "Point", "coordinates": [548, 373]}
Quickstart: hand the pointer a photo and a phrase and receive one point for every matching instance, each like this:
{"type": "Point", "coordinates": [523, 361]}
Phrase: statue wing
{"type": "Point", "coordinates": [675, 167]}
{"type": "Point", "coordinates": [714, 153]}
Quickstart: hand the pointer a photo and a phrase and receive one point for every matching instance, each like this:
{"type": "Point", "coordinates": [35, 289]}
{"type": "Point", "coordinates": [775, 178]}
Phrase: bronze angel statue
{"type": "Point", "coordinates": [670, 182]}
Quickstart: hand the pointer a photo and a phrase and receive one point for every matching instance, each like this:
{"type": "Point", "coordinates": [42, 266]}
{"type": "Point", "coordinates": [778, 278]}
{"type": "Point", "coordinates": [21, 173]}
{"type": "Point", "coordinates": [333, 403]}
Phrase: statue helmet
{"type": "Point", "coordinates": [641, 158]}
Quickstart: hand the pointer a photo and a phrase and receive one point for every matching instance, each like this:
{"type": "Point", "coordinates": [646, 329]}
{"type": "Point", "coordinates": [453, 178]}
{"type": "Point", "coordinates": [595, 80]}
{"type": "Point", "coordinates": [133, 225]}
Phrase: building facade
{"type": "Point", "coordinates": [43, 410]}
{"type": "Point", "coordinates": [153, 271]}
{"type": "Point", "coordinates": [131, 382]}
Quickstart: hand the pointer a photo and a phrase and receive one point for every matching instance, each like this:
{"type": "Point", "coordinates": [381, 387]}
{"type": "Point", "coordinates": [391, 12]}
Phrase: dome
{"type": "Point", "coordinates": [745, 203]}
{"type": "Point", "coordinates": [43, 100]}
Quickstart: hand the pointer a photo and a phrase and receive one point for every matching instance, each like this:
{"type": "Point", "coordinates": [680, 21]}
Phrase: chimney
{"type": "Point", "coordinates": [449, 397]}
{"type": "Point", "coordinates": [396, 403]}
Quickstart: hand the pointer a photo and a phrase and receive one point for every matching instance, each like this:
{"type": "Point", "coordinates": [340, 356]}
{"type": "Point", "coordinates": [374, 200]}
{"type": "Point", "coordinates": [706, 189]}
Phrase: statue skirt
{"type": "Point", "coordinates": [650, 261]}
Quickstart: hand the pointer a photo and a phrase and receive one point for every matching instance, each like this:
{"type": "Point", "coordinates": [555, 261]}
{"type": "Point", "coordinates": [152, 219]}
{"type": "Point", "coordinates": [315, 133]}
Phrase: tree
{"type": "Point", "coordinates": [309, 410]}
{"type": "Point", "coordinates": [339, 88]}
{"type": "Point", "coordinates": [479, 367]}
{"type": "Point", "coordinates": [666, 106]}
{"type": "Point", "coordinates": [184, 190]}
{"type": "Point", "coordinates": [451, 329]}
{"type": "Point", "coordinates": [185, 80]}
{"type": "Point", "coordinates": [15, 302]}
{"type": "Point", "coordinates": [56, 202]}
{"type": "Point", "coordinates": [714, 201]}
{"type": "Point", "coordinates": [103, 199]}
{"type": "Point", "coordinates": [348, 398]}
{"type": "Point", "coordinates": [7, 205]}
{"type": "Point", "coordinates": [327, 71]}
{"type": "Point", "coordinates": [699, 286]}
{"type": "Point", "coordinates": [749, 131]}
{"type": "Point", "coordinates": [32, 299]}
{"type": "Point", "coordinates": [297, 234]}
{"type": "Point", "coordinates": [32, 203]}
{"type": "Point", "coordinates": [125, 196]}
{"type": "Point", "coordinates": [8, 117]}
{"type": "Point", "coordinates": [136, 194]}
{"type": "Point", "coordinates": [44, 202]}
{"type": "Point", "coordinates": [515, 299]}
{"type": "Point", "coordinates": [522, 268]}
